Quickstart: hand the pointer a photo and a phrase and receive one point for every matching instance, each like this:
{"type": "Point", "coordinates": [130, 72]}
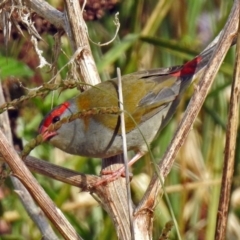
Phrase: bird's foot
{"type": "Point", "coordinates": [120, 171]}
{"type": "Point", "coordinates": [113, 175]}
{"type": "Point", "coordinates": [109, 176]}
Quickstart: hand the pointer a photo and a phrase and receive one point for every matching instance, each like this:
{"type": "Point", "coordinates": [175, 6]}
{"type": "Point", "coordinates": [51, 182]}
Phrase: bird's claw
{"type": "Point", "coordinates": [112, 176]}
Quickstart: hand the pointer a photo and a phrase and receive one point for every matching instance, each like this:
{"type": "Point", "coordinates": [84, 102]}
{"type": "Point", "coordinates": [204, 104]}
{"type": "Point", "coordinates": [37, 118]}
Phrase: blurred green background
{"type": "Point", "coordinates": [152, 34]}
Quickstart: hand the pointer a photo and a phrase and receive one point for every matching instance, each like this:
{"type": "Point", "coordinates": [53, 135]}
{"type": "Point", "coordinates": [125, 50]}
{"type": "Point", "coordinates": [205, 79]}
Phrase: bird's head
{"type": "Point", "coordinates": [52, 117]}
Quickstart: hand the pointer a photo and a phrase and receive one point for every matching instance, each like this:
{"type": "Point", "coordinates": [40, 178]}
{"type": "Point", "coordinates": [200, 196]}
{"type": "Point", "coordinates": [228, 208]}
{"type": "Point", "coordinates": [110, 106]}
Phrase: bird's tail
{"type": "Point", "coordinates": [203, 58]}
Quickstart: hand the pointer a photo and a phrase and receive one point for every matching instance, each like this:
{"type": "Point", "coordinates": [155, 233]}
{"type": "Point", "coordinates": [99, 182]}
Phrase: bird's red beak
{"type": "Point", "coordinates": [46, 134]}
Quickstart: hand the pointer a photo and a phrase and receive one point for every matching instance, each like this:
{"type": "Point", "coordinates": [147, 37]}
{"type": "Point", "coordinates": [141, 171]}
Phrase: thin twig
{"type": "Point", "coordinates": [125, 156]}
{"type": "Point", "coordinates": [229, 153]}
{"type": "Point", "coordinates": [117, 24]}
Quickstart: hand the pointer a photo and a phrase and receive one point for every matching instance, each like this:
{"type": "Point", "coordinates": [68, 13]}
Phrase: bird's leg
{"type": "Point", "coordinates": [113, 175]}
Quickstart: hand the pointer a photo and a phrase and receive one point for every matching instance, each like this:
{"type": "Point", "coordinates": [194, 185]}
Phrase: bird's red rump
{"type": "Point", "coordinates": [189, 68]}
{"type": "Point", "coordinates": [58, 111]}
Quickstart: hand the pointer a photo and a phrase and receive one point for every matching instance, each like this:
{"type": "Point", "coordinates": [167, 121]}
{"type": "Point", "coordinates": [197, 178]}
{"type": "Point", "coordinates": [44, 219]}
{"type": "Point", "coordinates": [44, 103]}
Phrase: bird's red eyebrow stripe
{"type": "Point", "coordinates": [189, 68]}
{"type": "Point", "coordinates": [57, 112]}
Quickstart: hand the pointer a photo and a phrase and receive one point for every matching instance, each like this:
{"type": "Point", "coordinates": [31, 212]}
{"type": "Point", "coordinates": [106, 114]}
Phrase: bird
{"type": "Point", "coordinates": [150, 98]}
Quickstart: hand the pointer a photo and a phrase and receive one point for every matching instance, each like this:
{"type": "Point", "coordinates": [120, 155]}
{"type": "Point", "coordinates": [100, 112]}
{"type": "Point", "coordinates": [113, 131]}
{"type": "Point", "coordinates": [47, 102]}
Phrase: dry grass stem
{"type": "Point", "coordinates": [230, 146]}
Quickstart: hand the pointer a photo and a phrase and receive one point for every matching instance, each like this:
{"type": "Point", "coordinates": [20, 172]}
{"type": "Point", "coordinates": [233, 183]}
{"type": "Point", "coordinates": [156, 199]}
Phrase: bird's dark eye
{"type": "Point", "coordinates": [55, 119]}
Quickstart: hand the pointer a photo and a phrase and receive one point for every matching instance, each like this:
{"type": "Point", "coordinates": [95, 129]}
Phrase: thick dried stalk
{"type": "Point", "coordinates": [230, 147]}
{"type": "Point", "coordinates": [113, 197]}
{"type": "Point", "coordinates": [77, 33]}
{"type": "Point", "coordinates": [20, 171]}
